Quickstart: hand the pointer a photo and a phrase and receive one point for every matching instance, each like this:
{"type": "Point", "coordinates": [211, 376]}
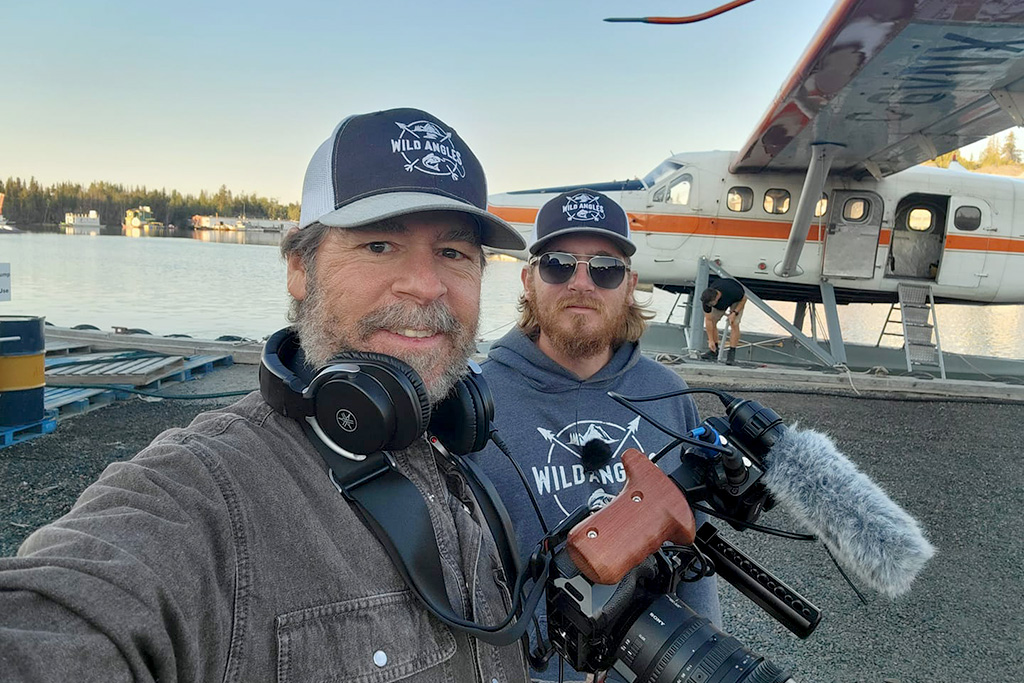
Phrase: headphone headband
{"type": "Point", "coordinates": [363, 402]}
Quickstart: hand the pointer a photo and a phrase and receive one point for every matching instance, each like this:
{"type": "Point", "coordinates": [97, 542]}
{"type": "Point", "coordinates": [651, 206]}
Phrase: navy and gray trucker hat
{"type": "Point", "coordinates": [582, 211]}
{"type": "Point", "coordinates": [396, 162]}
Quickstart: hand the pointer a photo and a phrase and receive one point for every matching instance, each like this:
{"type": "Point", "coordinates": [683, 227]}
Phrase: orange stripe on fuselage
{"type": "Point", "coordinates": [1002, 244]}
{"type": "Point", "coordinates": [514, 214]}
{"type": "Point", "coordinates": [757, 229]}
{"type": "Point", "coordinates": [681, 225]}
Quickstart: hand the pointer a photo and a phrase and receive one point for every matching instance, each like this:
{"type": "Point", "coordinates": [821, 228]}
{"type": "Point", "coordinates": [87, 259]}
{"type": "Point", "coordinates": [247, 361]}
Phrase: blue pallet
{"type": "Point", "coordinates": [67, 401]}
{"type": "Point", "coordinates": [10, 436]}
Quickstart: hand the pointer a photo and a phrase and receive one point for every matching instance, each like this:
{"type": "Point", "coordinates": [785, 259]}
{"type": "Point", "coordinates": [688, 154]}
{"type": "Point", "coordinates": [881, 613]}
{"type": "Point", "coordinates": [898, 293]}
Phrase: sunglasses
{"type": "Point", "coordinates": [557, 268]}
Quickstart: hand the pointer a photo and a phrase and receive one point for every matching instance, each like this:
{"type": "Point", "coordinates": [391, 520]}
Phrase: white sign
{"type": "Point", "coordinates": [5, 281]}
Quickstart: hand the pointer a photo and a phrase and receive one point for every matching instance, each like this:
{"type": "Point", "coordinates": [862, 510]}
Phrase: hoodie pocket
{"type": "Point", "coordinates": [368, 640]}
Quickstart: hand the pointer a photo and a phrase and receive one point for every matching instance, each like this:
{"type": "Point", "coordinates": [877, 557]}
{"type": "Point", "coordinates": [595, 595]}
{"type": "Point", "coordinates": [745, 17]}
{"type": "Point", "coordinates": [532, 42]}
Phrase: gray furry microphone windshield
{"type": "Point", "coordinates": [866, 531]}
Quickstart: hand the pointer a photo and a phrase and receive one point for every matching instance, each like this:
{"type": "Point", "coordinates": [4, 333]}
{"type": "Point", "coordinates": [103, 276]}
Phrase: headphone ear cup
{"type": "Point", "coordinates": [462, 421]}
{"type": "Point", "coordinates": [408, 396]}
{"type": "Point", "coordinates": [354, 410]}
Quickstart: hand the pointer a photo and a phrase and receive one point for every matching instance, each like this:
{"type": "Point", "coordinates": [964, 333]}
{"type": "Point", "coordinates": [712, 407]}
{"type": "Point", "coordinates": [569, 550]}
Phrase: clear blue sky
{"type": "Point", "coordinates": [192, 95]}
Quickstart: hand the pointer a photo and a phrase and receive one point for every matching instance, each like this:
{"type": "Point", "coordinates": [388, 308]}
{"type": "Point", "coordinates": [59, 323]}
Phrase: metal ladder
{"type": "Point", "coordinates": [919, 327]}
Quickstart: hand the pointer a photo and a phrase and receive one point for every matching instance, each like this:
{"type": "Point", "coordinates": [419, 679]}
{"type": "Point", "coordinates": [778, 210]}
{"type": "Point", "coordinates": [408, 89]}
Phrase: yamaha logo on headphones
{"type": "Point", "coordinates": [346, 420]}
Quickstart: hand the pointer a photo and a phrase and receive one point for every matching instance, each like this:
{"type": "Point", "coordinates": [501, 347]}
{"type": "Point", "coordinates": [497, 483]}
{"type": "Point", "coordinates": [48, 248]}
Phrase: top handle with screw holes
{"type": "Point", "coordinates": [649, 511]}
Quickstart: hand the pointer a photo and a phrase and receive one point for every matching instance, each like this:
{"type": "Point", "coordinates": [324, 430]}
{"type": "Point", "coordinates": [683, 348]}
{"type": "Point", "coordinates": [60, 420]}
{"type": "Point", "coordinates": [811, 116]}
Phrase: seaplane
{"type": "Point", "coordinates": [827, 202]}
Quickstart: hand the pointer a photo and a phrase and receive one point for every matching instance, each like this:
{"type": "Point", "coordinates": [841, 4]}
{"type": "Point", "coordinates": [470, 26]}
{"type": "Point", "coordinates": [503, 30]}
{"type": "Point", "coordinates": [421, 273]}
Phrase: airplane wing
{"type": "Point", "coordinates": [897, 82]}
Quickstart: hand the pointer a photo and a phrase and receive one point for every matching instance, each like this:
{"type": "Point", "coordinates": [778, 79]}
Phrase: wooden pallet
{"type": "Point", "coordinates": [14, 435]}
{"type": "Point", "coordinates": [63, 348]}
{"type": "Point", "coordinates": [134, 372]}
{"type": "Point", "coordinates": [68, 401]}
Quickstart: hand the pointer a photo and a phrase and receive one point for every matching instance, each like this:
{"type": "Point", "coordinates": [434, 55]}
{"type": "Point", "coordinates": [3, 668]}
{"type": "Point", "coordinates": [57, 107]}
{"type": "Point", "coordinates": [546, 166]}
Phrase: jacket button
{"type": "Point", "coordinates": [380, 658]}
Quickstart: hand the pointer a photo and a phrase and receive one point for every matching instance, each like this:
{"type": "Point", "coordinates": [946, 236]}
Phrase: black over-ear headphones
{"type": "Point", "coordinates": [362, 402]}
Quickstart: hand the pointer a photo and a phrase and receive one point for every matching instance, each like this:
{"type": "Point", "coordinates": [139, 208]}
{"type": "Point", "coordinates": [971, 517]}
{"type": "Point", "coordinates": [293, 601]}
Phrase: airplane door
{"type": "Point", "coordinates": [968, 227]}
{"type": "Point", "coordinates": [851, 236]}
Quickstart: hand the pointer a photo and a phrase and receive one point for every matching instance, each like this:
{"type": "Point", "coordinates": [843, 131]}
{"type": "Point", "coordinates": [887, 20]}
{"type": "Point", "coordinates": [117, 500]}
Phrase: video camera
{"type": "Point", "coordinates": [611, 599]}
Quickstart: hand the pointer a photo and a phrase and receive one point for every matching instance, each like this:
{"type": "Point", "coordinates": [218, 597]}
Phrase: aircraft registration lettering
{"type": "Point", "coordinates": [924, 75]}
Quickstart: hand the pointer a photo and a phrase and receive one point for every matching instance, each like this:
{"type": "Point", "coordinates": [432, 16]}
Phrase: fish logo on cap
{"type": "Point", "coordinates": [583, 207]}
{"type": "Point", "coordinates": [428, 148]}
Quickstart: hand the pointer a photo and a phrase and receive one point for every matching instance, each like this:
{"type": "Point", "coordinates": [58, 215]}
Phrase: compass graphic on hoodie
{"type": "Point", "coordinates": [563, 475]}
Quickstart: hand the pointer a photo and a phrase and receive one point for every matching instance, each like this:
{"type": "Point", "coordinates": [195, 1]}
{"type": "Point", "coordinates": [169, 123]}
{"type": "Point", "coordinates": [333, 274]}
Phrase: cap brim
{"type": "Point", "coordinates": [628, 248]}
{"type": "Point", "coordinates": [494, 232]}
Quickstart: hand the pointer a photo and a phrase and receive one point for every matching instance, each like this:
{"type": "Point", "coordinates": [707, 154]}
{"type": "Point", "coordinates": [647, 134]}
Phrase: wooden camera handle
{"type": "Point", "coordinates": [648, 511]}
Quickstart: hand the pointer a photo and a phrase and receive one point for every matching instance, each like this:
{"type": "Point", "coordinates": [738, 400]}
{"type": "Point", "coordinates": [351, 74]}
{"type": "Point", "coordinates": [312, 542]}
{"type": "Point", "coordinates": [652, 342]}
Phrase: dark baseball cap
{"type": "Point", "coordinates": [396, 162]}
{"type": "Point", "coordinates": [582, 211]}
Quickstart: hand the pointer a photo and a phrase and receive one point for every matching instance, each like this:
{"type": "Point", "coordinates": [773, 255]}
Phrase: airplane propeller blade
{"type": "Point", "coordinates": [692, 19]}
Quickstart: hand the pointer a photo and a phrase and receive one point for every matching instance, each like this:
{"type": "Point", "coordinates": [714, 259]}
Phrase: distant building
{"type": "Point", "coordinates": [242, 223]}
{"type": "Point", "coordinates": [81, 223]}
{"type": "Point", "coordinates": [216, 222]}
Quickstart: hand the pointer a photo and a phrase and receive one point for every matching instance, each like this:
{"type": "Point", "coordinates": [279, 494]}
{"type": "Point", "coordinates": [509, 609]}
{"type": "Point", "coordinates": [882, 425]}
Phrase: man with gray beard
{"type": "Point", "coordinates": [577, 339]}
{"type": "Point", "coordinates": [225, 551]}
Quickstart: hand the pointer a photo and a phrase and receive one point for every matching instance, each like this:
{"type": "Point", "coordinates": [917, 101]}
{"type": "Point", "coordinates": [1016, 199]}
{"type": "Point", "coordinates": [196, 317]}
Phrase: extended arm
{"type": "Point", "coordinates": [129, 585]}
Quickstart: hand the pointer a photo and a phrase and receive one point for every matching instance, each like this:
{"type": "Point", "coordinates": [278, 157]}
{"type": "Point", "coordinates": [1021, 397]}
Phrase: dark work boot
{"type": "Point", "coordinates": [730, 357]}
{"type": "Point", "coordinates": [710, 354]}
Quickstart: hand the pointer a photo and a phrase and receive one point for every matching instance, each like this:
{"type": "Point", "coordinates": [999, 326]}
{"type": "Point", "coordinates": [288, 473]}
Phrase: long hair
{"type": "Point", "coordinates": [633, 324]}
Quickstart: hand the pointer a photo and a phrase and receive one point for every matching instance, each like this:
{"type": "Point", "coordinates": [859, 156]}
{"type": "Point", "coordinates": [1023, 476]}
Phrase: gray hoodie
{"type": "Point", "coordinates": [545, 414]}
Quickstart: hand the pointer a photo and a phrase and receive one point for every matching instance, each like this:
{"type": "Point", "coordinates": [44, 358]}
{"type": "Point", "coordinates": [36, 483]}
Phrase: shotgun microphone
{"type": "Point", "coordinates": [863, 528]}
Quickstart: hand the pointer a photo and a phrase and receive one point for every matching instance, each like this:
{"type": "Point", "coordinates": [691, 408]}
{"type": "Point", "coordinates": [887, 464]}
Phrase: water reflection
{"type": "Point", "coordinates": [267, 238]}
{"type": "Point", "coordinates": [205, 285]}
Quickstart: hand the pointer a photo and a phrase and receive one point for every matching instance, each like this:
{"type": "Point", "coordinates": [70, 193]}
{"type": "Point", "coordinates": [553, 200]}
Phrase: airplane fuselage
{"type": "Point", "coordinates": [960, 232]}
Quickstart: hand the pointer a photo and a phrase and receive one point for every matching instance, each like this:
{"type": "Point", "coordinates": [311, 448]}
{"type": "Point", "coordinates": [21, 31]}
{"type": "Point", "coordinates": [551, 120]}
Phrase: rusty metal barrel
{"type": "Point", "coordinates": [22, 370]}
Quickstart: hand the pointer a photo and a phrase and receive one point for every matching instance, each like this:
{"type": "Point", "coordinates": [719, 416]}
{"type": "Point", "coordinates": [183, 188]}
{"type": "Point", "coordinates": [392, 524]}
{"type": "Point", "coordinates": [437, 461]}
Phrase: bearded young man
{"type": "Point", "coordinates": [224, 551]}
{"type": "Point", "coordinates": [576, 340]}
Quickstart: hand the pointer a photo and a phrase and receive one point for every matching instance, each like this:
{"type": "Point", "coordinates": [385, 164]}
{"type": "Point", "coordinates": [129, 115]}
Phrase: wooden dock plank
{"type": "Point", "coordinates": [241, 352]}
{"type": "Point", "coordinates": [153, 370]}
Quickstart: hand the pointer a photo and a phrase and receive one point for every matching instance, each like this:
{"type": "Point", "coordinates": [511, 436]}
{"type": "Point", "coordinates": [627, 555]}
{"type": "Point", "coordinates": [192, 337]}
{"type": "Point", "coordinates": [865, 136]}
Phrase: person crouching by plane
{"type": "Point", "coordinates": [724, 294]}
{"type": "Point", "coordinates": [223, 551]}
{"type": "Point", "coordinates": [576, 340]}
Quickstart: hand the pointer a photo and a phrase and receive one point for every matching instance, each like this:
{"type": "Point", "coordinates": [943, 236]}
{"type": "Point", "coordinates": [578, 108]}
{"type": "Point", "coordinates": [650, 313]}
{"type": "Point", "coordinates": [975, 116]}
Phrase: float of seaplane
{"type": "Point", "coordinates": [826, 202]}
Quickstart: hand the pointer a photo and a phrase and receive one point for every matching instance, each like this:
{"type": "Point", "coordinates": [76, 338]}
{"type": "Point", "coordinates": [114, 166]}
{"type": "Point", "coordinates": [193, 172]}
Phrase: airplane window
{"type": "Point", "coordinates": [740, 199]}
{"type": "Point", "coordinates": [855, 209]}
{"type": "Point", "coordinates": [822, 206]}
{"type": "Point", "coordinates": [663, 170]}
{"type": "Point", "coordinates": [967, 218]}
{"type": "Point", "coordinates": [679, 191]}
{"type": "Point", "coordinates": [920, 219]}
{"type": "Point", "coordinates": [776, 201]}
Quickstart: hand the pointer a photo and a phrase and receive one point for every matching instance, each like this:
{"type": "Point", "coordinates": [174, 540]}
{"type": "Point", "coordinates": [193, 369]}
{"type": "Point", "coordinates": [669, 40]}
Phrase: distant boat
{"type": "Point", "coordinates": [5, 225]}
{"type": "Point", "coordinates": [140, 221]}
{"type": "Point", "coordinates": [81, 224]}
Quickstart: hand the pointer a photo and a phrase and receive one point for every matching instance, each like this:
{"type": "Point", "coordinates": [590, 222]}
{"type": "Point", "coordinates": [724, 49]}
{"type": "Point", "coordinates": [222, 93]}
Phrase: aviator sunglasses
{"type": "Point", "coordinates": [557, 268]}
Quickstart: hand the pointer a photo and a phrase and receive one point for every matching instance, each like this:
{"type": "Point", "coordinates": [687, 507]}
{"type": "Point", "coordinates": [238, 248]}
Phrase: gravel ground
{"type": "Point", "coordinates": [956, 467]}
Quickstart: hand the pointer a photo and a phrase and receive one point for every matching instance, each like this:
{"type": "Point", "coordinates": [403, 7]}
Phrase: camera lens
{"type": "Point", "coordinates": [670, 643]}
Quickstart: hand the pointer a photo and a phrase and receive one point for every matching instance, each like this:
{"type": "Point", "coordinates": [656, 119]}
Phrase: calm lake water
{"type": "Point", "coordinates": [215, 284]}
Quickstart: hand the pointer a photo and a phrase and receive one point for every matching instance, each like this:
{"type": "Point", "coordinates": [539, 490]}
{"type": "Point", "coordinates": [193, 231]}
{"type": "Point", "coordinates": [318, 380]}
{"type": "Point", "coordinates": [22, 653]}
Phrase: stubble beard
{"type": "Point", "coordinates": [324, 335]}
{"type": "Point", "coordinates": [570, 334]}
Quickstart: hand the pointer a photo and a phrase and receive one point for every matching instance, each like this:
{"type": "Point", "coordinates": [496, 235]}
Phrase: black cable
{"type": "Point", "coordinates": [628, 401]}
{"type": "Point", "coordinates": [860, 595]}
{"type": "Point", "coordinates": [781, 533]}
{"type": "Point", "coordinates": [522, 476]}
{"type": "Point", "coordinates": [191, 397]}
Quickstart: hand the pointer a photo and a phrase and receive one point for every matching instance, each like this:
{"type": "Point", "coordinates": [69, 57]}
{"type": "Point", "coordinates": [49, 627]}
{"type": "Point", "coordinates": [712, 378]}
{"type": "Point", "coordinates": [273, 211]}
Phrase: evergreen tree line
{"type": "Point", "coordinates": [30, 203]}
{"type": "Point", "coordinates": [995, 153]}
